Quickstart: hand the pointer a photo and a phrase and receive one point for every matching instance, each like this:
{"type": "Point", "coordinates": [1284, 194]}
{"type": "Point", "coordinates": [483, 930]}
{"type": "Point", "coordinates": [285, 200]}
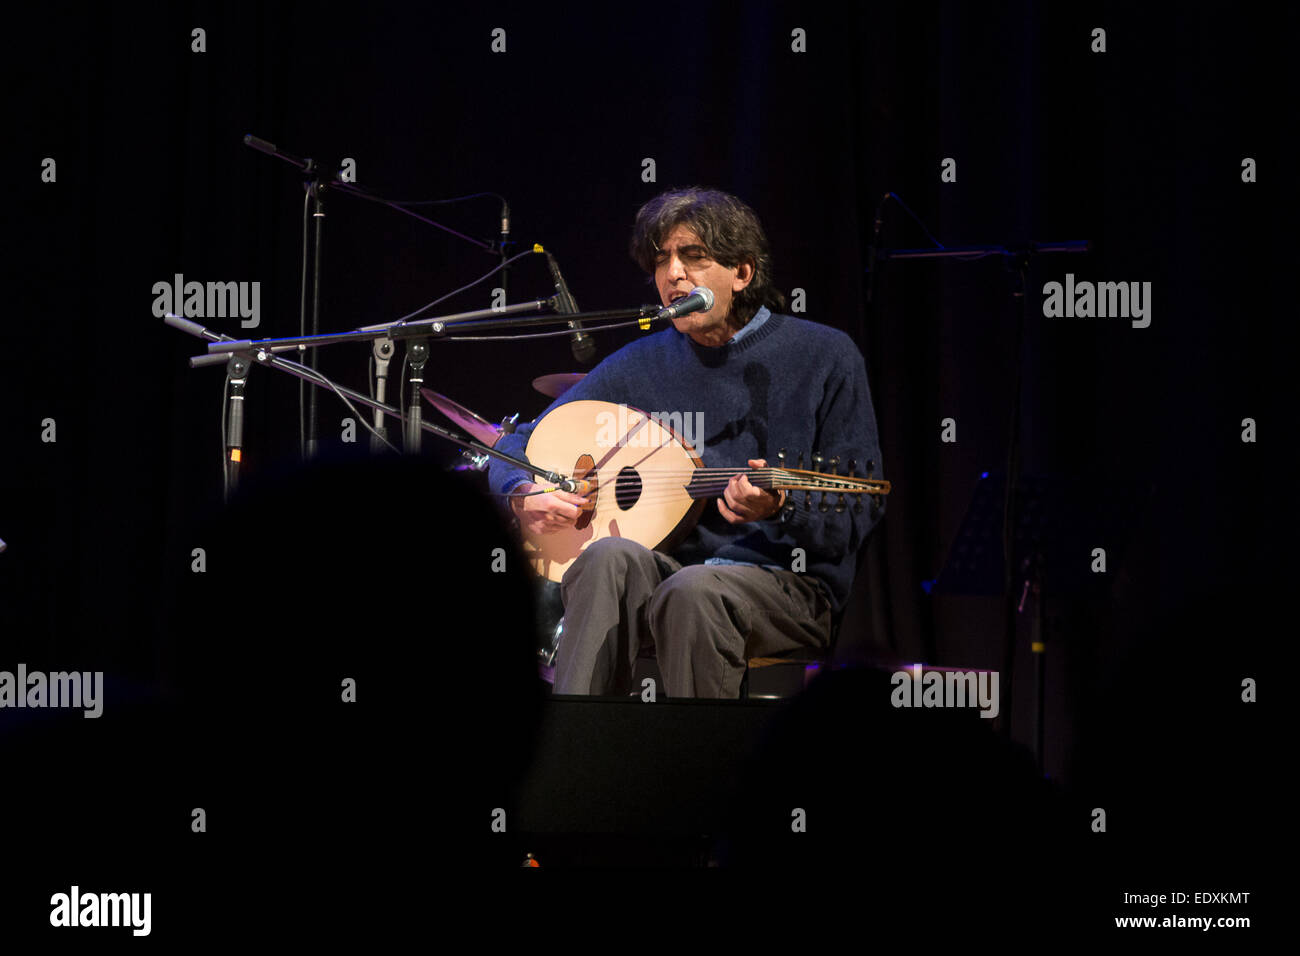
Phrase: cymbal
{"type": "Point", "coordinates": [553, 386]}
{"type": "Point", "coordinates": [476, 425]}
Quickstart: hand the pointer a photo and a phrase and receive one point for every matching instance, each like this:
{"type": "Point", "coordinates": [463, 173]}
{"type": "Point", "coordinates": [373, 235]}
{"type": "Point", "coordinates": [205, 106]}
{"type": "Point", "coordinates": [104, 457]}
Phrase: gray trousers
{"type": "Point", "coordinates": [702, 622]}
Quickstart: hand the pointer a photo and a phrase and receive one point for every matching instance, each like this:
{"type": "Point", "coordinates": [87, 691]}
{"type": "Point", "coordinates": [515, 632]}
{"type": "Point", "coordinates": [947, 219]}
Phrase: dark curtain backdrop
{"type": "Point", "coordinates": [1138, 149]}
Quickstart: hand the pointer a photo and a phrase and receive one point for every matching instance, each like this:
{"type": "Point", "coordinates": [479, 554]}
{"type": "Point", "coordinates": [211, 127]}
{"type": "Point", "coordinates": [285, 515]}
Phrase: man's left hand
{"type": "Point", "coordinates": [742, 502]}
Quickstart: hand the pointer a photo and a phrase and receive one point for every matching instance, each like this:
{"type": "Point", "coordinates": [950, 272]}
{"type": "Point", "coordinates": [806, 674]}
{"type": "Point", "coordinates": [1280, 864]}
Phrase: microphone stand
{"type": "Point", "coordinates": [221, 346]}
{"type": "Point", "coordinates": [505, 253]}
{"type": "Point", "coordinates": [1017, 260]}
{"type": "Point", "coordinates": [316, 186]}
{"type": "Point", "coordinates": [313, 377]}
{"type": "Point", "coordinates": [439, 327]}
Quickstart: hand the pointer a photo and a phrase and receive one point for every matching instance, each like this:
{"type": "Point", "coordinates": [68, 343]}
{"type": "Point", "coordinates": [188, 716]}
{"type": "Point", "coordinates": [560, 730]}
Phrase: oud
{"type": "Point", "coordinates": [648, 485]}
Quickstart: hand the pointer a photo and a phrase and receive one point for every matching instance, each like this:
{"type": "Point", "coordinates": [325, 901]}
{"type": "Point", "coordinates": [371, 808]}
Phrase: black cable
{"type": "Point", "coordinates": [483, 278]}
{"type": "Point", "coordinates": [302, 326]}
{"type": "Point", "coordinates": [225, 470]}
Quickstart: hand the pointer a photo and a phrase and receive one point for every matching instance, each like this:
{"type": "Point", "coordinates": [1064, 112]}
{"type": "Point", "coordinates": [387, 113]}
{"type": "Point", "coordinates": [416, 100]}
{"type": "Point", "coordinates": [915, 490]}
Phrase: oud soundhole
{"type": "Point", "coordinates": [627, 488]}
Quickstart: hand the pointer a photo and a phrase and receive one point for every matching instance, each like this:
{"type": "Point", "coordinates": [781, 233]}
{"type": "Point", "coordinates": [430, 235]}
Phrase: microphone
{"type": "Point", "coordinates": [581, 344]}
{"type": "Point", "coordinates": [576, 486]}
{"type": "Point", "coordinates": [700, 300]}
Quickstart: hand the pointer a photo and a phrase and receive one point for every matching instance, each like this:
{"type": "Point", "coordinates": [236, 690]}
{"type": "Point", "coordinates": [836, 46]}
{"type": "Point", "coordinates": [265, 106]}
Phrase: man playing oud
{"type": "Point", "coordinates": [762, 381]}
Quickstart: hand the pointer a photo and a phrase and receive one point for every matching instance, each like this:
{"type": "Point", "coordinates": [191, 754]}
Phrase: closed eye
{"type": "Point", "coordinates": [694, 253]}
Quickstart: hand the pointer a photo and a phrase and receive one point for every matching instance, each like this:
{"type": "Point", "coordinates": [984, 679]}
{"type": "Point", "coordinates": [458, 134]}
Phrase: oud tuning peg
{"type": "Point", "coordinates": [853, 466]}
{"type": "Point", "coordinates": [807, 501]}
{"type": "Point", "coordinates": [835, 464]}
{"type": "Point", "coordinates": [839, 506]}
{"type": "Point", "coordinates": [817, 466]}
{"type": "Point", "coordinates": [875, 503]}
{"type": "Point", "coordinates": [799, 464]}
{"type": "Point", "coordinates": [780, 458]}
{"type": "Point", "coordinates": [857, 505]}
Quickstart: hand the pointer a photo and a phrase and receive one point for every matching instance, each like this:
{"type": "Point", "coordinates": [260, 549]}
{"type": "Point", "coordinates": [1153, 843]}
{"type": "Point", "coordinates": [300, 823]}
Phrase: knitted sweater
{"type": "Point", "coordinates": [790, 384]}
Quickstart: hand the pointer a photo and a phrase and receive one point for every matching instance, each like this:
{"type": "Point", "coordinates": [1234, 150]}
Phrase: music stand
{"type": "Point", "coordinates": [1059, 521]}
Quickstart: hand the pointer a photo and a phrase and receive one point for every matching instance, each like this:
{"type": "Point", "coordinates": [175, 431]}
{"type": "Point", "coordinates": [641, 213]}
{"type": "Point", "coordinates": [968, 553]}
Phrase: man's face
{"type": "Point", "coordinates": [683, 263]}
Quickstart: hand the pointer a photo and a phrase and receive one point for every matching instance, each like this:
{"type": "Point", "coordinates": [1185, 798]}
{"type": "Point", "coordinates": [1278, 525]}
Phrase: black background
{"type": "Point", "coordinates": [1138, 149]}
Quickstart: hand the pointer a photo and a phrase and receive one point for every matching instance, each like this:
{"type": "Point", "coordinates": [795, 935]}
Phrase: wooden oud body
{"type": "Point", "coordinates": [641, 468]}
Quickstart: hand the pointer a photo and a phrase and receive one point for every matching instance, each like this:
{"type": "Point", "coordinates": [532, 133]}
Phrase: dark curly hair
{"type": "Point", "coordinates": [729, 230]}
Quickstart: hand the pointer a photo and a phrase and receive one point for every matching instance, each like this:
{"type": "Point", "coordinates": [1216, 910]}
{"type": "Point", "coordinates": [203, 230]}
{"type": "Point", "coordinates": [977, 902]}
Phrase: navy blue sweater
{"type": "Point", "coordinates": [789, 384]}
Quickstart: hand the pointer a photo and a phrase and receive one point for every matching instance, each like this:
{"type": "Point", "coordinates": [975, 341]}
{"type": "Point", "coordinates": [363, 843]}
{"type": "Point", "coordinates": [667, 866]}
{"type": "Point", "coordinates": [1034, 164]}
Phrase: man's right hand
{"type": "Point", "coordinates": [548, 513]}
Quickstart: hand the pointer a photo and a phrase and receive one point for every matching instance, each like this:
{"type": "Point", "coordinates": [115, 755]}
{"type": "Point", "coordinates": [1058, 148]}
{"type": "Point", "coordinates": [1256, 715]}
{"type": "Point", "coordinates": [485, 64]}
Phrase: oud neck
{"type": "Point", "coordinates": [710, 482]}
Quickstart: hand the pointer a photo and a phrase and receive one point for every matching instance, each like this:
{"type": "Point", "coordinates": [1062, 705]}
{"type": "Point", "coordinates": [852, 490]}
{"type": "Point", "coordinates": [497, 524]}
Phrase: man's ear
{"type": "Point", "coordinates": [744, 275]}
